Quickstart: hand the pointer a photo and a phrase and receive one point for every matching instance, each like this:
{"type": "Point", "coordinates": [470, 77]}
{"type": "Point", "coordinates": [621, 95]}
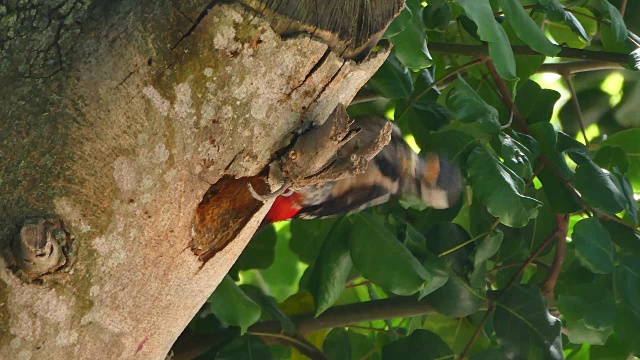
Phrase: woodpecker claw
{"type": "Point", "coordinates": [284, 190]}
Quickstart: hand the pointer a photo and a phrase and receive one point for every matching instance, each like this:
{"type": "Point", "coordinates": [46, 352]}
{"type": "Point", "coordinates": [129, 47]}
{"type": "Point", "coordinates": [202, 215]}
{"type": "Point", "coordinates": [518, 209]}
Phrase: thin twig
{"type": "Point", "coordinates": [460, 246]}
{"type": "Point", "coordinates": [485, 318]}
{"type": "Point", "coordinates": [576, 105]}
{"type": "Point", "coordinates": [506, 97]}
{"type": "Point", "coordinates": [535, 262]}
{"type": "Point", "coordinates": [623, 7]}
{"type": "Point", "coordinates": [444, 77]}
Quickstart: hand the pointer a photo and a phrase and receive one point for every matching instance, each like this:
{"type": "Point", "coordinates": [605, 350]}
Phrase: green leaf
{"type": "Point", "coordinates": [539, 229]}
{"type": "Point", "coordinates": [592, 303]}
{"type": "Point", "coordinates": [628, 141]}
{"type": "Point", "coordinates": [420, 345]}
{"type": "Point", "coordinates": [457, 298]}
{"type": "Point", "coordinates": [578, 333]}
{"type": "Point", "coordinates": [599, 188]}
{"type": "Point", "coordinates": [456, 332]}
{"type": "Point", "coordinates": [611, 12]}
{"type": "Point", "coordinates": [337, 345]}
{"type": "Point", "coordinates": [438, 272]}
{"type": "Point", "coordinates": [561, 200]}
{"type": "Point", "coordinates": [535, 103]}
{"type": "Point", "coordinates": [500, 189]}
{"type": "Point", "coordinates": [610, 157]}
{"type": "Point", "coordinates": [346, 344]}
{"type": "Point", "coordinates": [232, 306]}
{"type": "Point", "coordinates": [524, 326]}
{"type": "Point", "coordinates": [270, 308]}
{"type": "Point", "coordinates": [421, 111]}
{"type": "Point", "coordinates": [259, 252]}
{"type": "Point", "coordinates": [609, 41]}
{"type": "Point", "coordinates": [244, 348]}
{"type": "Point", "coordinates": [369, 242]}
{"type": "Point", "coordinates": [446, 236]}
{"type": "Point", "coordinates": [477, 117]}
{"type": "Point", "coordinates": [410, 44]}
{"type": "Point", "coordinates": [556, 13]}
{"type": "Point", "coordinates": [627, 282]}
{"type": "Point", "coordinates": [526, 29]}
{"type": "Point", "coordinates": [627, 331]}
{"type": "Point", "coordinates": [593, 244]}
{"type": "Point", "coordinates": [457, 145]}
{"type": "Point", "coordinates": [392, 80]}
{"type": "Point", "coordinates": [331, 269]}
{"type": "Point", "coordinates": [308, 236]}
{"type": "Point", "coordinates": [572, 31]}
{"type": "Point", "coordinates": [631, 206]}
{"type": "Point", "coordinates": [437, 15]}
{"type": "Point", "coordinates": [490, 31]}
{"type": "Point", "coordinates": [399, 23]}
{"type": "Point", "coordinates": [547, 137]}
{"type": "Point", "coordinates": [590, 311]}
{"type": "Point", "coordinates": [488, 247]}
{"type": "Point", "coordinates": [490, 354]}
{"type": "Point", "coordinates": [516, 156]}
{"type": "Point", "coordinates": [623, 236]}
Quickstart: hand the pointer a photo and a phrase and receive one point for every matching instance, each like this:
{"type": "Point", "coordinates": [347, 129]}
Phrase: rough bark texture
{"type": "Point", "coordinates": [115, 122]}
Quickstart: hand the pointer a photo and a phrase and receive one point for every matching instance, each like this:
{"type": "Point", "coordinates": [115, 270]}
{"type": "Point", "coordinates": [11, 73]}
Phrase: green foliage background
{"type": "Point", "coordinates": [540, 259]}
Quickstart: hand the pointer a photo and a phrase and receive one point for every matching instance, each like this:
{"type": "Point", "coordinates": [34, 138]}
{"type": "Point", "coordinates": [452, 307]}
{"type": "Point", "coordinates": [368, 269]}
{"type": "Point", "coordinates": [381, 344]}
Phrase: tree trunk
{"type": "Point", "coordinates": [115, 119]}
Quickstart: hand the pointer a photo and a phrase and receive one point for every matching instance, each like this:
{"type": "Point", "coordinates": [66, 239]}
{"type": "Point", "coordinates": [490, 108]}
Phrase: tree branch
{"type": "Point", "coordinates": [338, 316]}
{"type": "Point", "coordinates": [572, 67]}
{"type": "Point", "coordinates": [344, 315]}
{"type": "Point", "coordinates": [571, 53]}
{"type": "Point", "coordinates": [561, 245]}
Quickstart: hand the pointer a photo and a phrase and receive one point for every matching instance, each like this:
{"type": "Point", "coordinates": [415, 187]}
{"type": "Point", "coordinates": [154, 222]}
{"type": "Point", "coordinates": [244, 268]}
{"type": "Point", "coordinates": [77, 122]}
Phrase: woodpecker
{"type": "Point", "coordinates": [396, 171]}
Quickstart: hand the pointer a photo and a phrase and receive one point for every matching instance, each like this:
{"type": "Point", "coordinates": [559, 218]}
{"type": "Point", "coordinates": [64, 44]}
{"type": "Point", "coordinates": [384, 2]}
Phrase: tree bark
{"type": "Point", "coordinates": [115, 119]}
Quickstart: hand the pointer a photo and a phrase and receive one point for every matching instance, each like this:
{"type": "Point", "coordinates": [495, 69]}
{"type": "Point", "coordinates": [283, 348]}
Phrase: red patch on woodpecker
{"type": "Point", "coordinates": [284, 208]}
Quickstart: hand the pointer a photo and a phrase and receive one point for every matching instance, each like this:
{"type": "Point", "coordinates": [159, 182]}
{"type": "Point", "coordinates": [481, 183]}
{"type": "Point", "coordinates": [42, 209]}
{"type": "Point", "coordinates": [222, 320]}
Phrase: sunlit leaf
{"type": "Point", "coordinates": [526, 29]}
{"type": "Point", "coordinates": [490, 31]}
{"type": "Point", "coordinates": [232, 306]}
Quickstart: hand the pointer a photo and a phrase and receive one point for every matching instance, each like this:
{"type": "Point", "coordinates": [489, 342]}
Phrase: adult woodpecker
{"type": "Point", "coordinates": [396, 171]}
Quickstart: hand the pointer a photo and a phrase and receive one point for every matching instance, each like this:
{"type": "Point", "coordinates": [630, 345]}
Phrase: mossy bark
{"type": "Point", "coordinates": [115, 118]}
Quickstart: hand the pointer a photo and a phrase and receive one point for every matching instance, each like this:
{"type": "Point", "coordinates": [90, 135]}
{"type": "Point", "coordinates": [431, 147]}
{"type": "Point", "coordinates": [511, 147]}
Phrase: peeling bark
{"type": "Point", "coordinates": [116, 117]}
